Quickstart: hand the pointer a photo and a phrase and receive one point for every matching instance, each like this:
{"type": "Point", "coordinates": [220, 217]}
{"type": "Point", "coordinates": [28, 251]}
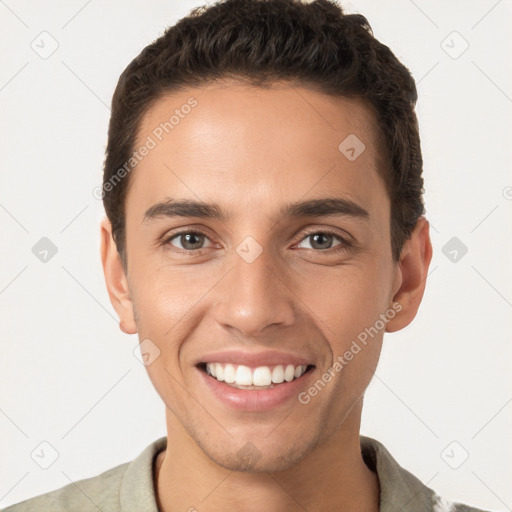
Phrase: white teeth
{"type": "Point", "coordinates": [211, 368]}
{"type": "Point", "coordinates": [278, 374]}
{"type": "Point", "coordinates": [229, 374]}
{"type": "Point", "coordinates": [289, 373]}
{"type": "Point", "coordinates": [243, 376]}
{"type": "Point", "coordinates": [219, 371]}
{"type": "Point", "coordinates": [299, 371]}
{"type": "Point", "coordinates": [262, 376]}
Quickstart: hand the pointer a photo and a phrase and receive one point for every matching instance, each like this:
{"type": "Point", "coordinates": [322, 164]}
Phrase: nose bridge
{"type": "Point", "coordinates": [253, 297]}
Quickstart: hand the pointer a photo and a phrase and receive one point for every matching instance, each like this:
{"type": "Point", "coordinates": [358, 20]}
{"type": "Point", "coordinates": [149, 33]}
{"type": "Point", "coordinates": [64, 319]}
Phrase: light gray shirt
{"type": "Point", "coordinates": [130, 487]}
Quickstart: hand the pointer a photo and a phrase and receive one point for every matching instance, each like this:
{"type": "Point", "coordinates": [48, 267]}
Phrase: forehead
{"type": "Point", "coordinates": [266, 109]}
{"type": "Point", "coordinates": [234, 142]}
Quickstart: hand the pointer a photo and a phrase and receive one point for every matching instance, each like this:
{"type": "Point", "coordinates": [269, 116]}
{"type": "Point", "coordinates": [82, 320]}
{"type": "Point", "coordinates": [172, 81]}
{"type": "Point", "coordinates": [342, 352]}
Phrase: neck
{"type": "Point", "coordinates": [334, 476]}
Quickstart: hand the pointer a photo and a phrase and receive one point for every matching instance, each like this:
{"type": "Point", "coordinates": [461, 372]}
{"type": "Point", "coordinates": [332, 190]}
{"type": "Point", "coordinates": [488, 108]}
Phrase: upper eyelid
{"type": "Point", "coordinates": [330, 231]}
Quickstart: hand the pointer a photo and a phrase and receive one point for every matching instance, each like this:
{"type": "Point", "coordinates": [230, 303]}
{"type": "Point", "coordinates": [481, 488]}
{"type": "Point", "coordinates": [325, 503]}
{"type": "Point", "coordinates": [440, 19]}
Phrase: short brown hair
{"type": "Point", "coordinates": [263, 41]}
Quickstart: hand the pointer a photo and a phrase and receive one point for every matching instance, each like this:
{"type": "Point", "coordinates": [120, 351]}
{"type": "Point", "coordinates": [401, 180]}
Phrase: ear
{"type": "Point", "coordinates": [411, 276]}
{"type": "Point", "coordinates": [115, 278]}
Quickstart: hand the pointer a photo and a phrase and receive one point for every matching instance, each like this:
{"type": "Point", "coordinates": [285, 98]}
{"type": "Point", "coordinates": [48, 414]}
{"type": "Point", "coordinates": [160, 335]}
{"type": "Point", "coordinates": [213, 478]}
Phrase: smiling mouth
{"type": "Point", "coordinates": [262, 377]}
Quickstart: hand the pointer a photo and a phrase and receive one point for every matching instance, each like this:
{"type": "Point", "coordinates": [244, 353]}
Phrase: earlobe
{"type": "Point", "coordinates": [116, 280]}
{"type": "Point", "coordinates": [413, 269]}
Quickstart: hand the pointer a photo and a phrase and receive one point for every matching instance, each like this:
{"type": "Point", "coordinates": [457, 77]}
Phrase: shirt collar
{"type": "Point", "coordinates": [400, 491]}
{"type": "Point", "coordinates": [138, 485]}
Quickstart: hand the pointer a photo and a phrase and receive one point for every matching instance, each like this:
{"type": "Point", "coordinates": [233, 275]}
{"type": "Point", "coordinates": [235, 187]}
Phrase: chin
{"type": "Point", "coordinates": [259, 456]}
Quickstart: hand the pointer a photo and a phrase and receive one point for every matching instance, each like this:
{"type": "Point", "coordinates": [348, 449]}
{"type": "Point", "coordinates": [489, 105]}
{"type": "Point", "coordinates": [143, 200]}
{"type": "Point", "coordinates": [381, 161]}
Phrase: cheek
{"type": "Point", "coordinates": [164, 294]}
{"type": "Point", "coordinates": [349, 306]}
{"type": "Point", "coordinates": [168, 302]}
{"type": "Point", "coordinates": [164, 302]}
{"type": "Point", "coordinates": [346, 300]}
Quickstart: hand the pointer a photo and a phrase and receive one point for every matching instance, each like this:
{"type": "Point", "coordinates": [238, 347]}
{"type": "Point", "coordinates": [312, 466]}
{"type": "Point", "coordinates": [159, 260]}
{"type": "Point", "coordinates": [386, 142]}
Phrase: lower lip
{"type": "Point", "coordinates": [255, 399]}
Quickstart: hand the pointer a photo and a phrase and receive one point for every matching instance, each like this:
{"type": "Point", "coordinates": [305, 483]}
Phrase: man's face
{"type": "Point", "coordinates": [258, 288]}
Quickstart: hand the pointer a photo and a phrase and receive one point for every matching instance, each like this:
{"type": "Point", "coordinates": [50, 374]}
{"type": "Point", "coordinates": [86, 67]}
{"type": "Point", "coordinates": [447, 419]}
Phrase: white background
{"type": "Point", "coordinates": [68, 376]}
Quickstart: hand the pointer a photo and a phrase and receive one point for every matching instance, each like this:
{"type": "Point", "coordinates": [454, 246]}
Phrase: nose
{"type": "Point", "coordinates": [254, 296]}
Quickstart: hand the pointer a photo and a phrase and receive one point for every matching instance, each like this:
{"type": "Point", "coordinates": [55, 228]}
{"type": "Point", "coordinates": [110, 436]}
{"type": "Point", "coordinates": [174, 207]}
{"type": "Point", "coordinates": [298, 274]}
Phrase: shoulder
{"type": "Point", "coordinates": [128, 486]}
{"type": "Point", "coordinates": [400, 489]}
{"type": "Point", "coordinates": [100, 492]}
{"type": "Point", "coordinates": [440, 504]}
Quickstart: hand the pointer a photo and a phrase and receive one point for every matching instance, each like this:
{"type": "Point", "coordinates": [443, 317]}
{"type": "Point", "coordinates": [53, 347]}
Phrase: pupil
{"type": "Point", "coordinates": [322, 235]}
{"type": "Point", "coordinates": [188, 239]}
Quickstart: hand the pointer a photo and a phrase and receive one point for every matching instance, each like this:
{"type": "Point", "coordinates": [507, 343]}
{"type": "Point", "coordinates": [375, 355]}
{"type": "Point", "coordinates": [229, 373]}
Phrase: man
{"type": "Point", "coordinates": [263, 190]}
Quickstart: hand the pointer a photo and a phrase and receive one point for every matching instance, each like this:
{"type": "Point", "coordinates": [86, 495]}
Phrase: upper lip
{"type": "Point", "coordinates": [254, 359]}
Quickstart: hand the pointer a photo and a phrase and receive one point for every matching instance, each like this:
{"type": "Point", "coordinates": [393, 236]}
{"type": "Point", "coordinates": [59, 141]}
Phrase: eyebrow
{"type": "Point", "coordinates": [309, 208]}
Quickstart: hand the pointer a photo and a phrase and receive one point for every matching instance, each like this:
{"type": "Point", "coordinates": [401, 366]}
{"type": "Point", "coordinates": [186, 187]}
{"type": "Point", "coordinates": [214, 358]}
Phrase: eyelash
{"type": "Point", "coordinates": [344, 245]}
